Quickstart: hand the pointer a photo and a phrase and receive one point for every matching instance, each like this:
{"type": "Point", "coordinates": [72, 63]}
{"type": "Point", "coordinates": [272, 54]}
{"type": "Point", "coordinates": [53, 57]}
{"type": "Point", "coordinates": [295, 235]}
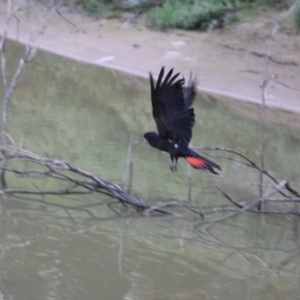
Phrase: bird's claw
{"type": "Point", "coordinates": [173, 168]}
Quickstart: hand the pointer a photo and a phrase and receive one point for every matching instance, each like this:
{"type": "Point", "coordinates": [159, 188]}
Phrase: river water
{"type": "Point", "coordinates": [86, 114]}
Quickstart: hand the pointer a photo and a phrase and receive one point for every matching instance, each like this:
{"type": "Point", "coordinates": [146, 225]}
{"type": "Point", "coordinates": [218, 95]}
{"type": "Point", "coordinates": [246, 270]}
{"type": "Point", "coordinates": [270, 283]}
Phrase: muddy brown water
{"type": "Point", "coordinates": [85, 115]}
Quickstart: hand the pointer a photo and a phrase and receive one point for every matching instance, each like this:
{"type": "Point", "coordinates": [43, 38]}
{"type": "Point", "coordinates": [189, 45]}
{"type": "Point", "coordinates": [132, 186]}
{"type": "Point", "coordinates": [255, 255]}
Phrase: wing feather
{"type": "Point", "coordinates": [189, 92]}
{"type": "Point", "coordinates": [171, 112]}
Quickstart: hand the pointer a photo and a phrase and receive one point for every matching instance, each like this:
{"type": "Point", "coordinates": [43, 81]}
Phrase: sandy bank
{"type": "Point", "coordinates": [228, 62]}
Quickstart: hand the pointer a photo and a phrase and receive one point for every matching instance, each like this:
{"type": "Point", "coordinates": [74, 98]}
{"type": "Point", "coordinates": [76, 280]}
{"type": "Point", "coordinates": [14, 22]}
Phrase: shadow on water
{"type": "Point", "coordinates": [85, 115]}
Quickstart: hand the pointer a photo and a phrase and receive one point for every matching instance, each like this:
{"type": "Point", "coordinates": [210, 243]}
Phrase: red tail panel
{"type": "Point", "coordinates": [197, 163]}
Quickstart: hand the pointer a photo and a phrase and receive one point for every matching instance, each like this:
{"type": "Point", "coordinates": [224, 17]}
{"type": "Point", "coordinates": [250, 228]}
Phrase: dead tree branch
{"type": "Point", "coordinates": [250, 163]}
{"type": "Point", "coordinates": [88, 182]}
{"type": "Point", "coordinates": [81, 182]}
{"type": "Point", "coordinates": [267, 78]}
{"type": "Point", "coordinates": [246, 207]}
{"type": "Point", "coordinates": [13, 9]}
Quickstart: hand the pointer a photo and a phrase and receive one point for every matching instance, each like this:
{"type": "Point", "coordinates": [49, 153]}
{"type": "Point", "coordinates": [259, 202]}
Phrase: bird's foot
{"type": "Point", "coordinates": [173, 167]}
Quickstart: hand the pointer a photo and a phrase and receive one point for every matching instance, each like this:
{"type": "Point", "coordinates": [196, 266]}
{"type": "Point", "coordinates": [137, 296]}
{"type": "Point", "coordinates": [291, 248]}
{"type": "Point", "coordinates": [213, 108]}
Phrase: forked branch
{"type": "Point", "coordinates": [14, 9]}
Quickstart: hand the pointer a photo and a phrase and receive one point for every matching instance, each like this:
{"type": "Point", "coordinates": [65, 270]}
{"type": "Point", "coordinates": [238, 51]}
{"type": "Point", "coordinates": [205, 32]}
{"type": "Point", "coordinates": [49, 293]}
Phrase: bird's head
{"type": "Point", "coordinates": [151, 138]}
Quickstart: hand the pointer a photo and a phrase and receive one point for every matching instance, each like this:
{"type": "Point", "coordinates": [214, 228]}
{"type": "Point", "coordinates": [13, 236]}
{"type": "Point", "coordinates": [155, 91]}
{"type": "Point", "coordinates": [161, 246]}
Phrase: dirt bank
{"type": "Point", "coordinates": [229, 62]}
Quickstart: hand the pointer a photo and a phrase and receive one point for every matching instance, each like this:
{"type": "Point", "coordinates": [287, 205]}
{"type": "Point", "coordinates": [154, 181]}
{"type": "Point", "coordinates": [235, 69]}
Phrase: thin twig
{"type": "Point", "coordinates": [267, 77]}
{"type": "Point", "coordinates": [229, 198]}
{"type": "Point", "coordinates": [252, 164]}
{"type": "Point", "coordinates": [245, 207]}
{"type": "Point", "coordinates": [30, 52]}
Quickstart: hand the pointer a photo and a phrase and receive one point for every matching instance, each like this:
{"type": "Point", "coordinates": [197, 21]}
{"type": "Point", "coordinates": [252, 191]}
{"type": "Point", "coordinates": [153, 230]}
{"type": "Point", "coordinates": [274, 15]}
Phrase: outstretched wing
{"type": "Point", "coordinates": [173, 117]}
{"type": "Point", "coordinates": [189, 92]}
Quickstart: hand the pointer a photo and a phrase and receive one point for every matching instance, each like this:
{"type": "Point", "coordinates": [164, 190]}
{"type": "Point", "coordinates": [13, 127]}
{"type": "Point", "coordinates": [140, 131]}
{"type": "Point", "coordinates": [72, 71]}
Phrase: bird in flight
{"type": "Point", "coordinates": [175, 119]}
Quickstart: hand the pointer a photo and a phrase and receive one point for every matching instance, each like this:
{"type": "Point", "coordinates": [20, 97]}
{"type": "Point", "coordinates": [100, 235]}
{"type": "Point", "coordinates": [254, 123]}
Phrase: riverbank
{"type": "Point", "coordinates": [229, 62]}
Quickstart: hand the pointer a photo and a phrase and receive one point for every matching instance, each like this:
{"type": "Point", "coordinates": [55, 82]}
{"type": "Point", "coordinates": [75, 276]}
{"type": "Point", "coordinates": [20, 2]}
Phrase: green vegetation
{"type": "Point", "coordinates": [189, 14]}
{"type": "Point", "coordinates": [91, 5]}
{"type": "Point", "coordinates": [185, 14]}
{"type": "Point", "coordinates": [200, 14]}
{"type": "Point", "coordinates": [297, 17]}
{"type": "Point", "coordinates": [100, 6]}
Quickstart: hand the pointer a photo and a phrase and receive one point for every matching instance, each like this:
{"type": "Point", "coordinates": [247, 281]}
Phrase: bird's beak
{"type": "Point", "coordinates": [146, 141]}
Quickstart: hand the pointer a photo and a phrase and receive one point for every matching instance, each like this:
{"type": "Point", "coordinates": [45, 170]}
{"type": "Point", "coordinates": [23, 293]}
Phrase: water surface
{"type": "Point", "coordinates": [85, 115]}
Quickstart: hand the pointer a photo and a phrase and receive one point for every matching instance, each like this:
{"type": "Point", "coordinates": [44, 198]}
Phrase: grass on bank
{"type": "Point", "coordinates": [184, 14]}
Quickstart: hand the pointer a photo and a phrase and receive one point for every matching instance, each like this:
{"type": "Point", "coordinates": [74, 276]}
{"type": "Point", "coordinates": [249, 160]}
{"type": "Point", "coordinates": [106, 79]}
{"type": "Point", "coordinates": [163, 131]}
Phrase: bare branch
{"type": "Point", "coordinates": [86, 183]}
{"type": "Point", "coordinates": [247, 206]}
{"type": "Point", "coordinates": [30, 52]}
{"type": "Point", "coordinates": [129, 166]}
{"type": "Point", "coordinates": [78, 181]}
{"type": "Point", "coordinates": [229, 198]}
{"type": "Point", "coordinates": [267, 77]}
{"type": "Point", "coordinates": [250, 163]}
{"type": "Point", "coordinates": [89, 182]}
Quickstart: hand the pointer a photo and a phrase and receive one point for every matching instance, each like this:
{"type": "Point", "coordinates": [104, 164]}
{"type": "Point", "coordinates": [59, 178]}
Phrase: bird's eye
{"type": "Point", "coordinates": [176, 145]}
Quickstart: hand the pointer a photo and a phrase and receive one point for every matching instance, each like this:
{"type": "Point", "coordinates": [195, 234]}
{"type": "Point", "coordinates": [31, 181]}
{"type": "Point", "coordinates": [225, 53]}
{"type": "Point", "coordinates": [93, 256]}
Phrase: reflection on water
{"type": "Point", "coordinates": [47, 258]}
{"type": "Point", "coordinates": [85, 115]}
